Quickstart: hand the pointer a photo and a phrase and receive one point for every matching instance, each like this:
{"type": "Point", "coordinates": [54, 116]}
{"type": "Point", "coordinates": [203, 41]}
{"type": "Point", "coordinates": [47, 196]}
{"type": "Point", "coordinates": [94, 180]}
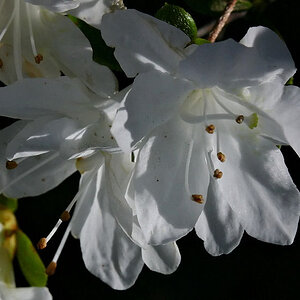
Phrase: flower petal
{"type": "Point", "coordinates": [144, 43]}
{"type": "Point", "coordinates": [75, 55]}
{"type": "Point", "coordinates": [34, 98]}
{"type": "Point", "coordinates": [229, 65]}
{"type": "Point", "coordinates": [286, 113]}
{"type": "Point", "coordinates": [217, 225]}
{"type": "Point", "coordinates": [107, 251]}
{"type": "Point", "coordinates": [163, 259]}
{"type": "Point", "coordinates": [154, 98]}
{"type": "Point", "coordinates": [167, 174]}
{"type": "Point", "coordinates": [272, 49]}
{"type": "Point", "coordinates": [56, 5]}
{"type": "Point", "coordinates": [258, 187]}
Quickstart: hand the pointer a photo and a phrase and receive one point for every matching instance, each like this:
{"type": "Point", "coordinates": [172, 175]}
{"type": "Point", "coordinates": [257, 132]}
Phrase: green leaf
{"type": "Point", "coordinates": [178, 17]}
{"type": "Point", "coordinates": [31, 265]}
{"type": "Point", "coordinates": [102, 54]}
{"type": "Point", "coordinates": [212, 7]}
{"type": "Point", "coordinates": [199, 41]}
{"type": "Point", "coordinates": [9, 203]}
{"type": "Point", "coordinates": [290, 81]}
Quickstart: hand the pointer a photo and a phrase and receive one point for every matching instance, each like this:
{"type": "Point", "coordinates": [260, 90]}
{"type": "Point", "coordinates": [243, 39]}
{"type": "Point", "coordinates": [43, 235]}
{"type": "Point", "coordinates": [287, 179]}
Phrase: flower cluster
{"type": "Point", "coordinates": [191, 143]}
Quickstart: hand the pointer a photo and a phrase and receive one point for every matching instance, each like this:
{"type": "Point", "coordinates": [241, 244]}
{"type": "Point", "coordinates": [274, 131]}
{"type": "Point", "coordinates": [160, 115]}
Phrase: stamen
{"type": "Point", "coordinates": [51, 268]}
{"type": "Point", "coordinates": [15, 180]}
{"type": "Point", "coordinates": [187, 167]}
{"type": "Point", "coordinates": [65, 216]}
{"type": "Point", "coordinates": [17, 41]}
{"type": "Point", "coordinates": [198, 198]}
{"type": "Point", "coordinates": [240, 119]}
{"type": "Point", "coordinates": [221, 156]}
{"type": "Point", "coordinates": [38, 58]}
{"type": "Point", "coordinates": [42, 243]}
{"type": "Point", "coordinates": [218, 174]}
{"type": "Point", "coordinates": [11, 164]}
{"type": "Point", "coordinates": [210, 128]}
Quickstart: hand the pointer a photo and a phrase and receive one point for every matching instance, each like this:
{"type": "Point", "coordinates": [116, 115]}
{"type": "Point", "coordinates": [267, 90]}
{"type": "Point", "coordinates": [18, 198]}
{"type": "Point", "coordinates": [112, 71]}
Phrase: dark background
{"type": "Point", "coordinates": [254, 270]}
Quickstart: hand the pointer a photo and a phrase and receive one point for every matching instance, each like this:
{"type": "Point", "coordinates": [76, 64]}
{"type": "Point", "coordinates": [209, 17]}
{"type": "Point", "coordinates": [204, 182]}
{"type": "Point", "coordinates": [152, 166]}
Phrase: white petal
{"type": "Point", "coordinates": [56, 5]}
{"type": "Point", "coordinates": [34, 98]}
{"type": "Point", "coordinates": [218, 225]}
{"type": "Point", "coordinates": [154, 98]}
{"type": "Point", "coordinates": [72, 50]}
{"type": "Point", "coordinates": [229, 65]}
{"type": "Point", "coordinates": [29, 293]}
{"type": "Point", "coordinates": [144, 43]}
{"type": "Point", "coordinates": [167, 174]}
{"type": "Point", "coordinates": [91, 11]}
{"type": "Point", "coordinates": [163, 259]}
{"type": "Point", "coordinates": [258, 187]}
{"type": "Point", "coordinates": [272, 48]}
{"type": "Point", "coordinates": [107, 251]}
{"type": "Point", "coordinates": [286, 113]}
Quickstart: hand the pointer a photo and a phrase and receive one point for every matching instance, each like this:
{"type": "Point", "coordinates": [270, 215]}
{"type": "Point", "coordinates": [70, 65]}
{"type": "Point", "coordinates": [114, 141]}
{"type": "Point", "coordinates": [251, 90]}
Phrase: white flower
{"type": "Point", "coordinates": [8, 290]}
{"type": "Point", "coordinates": [90, 11]}
{"type": "Point", "coordinates": [201, 113]}
{"type": "Point", "coordinates": [112, 243]}
{"type": "Point", "coordinates": [61, 120]}
{"type": "Point", "coordinates": [35, 42]}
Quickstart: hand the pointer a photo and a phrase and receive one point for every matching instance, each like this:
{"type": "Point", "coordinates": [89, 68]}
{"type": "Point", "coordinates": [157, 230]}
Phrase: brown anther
{"type": "Point", "coordinates": [240, 119]}
{"type": "Point", "coordinates": [51, 268]}
{"type": "Point", "coordinates": [65, 216]}
{"type": "Point", "coordinates": [198, 198]}
{"type": "Point", "coordinates": [38, 58]}
{"type": "Point", "coordinates": [1, 63]}
{"type": "Point", "coordinates": [11, 164]}
{"type": "Point", "coordinates": [218, 174]}
{"type": "Point", "coordinates": [221, 156]}
{"type": "Point", "coordinates": [42, 244]}
{"type": "Point", "coordinates": [210, 128]}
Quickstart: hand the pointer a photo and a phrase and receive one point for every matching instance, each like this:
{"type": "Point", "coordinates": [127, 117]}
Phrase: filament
{"type": "Point", "coordinates": [17, 41]}
{"type": "Point", "coordinates": [31, 31]}
{"type": "Point", "coordinates": [62, 244]}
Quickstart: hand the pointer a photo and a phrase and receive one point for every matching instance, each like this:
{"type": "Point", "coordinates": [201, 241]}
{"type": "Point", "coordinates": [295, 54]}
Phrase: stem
{"type": "Point", "coordinates": [222, 21]}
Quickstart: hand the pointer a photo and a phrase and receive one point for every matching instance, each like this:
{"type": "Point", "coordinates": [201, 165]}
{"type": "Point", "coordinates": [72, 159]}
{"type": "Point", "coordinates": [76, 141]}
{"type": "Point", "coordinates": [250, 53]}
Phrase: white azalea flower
{"type": "Point", "coordinates": [35, 42]}
{"type": "Point", "coordinates": [62, 120]}
{"type": "Point", "coordinates": [207, 120]}
{"type": "Point", "coordinates": [8, 290]}
{"type": "Point", "coordinates": [112, 244]}
{"type": "Point", "coordinates": [90, 11]}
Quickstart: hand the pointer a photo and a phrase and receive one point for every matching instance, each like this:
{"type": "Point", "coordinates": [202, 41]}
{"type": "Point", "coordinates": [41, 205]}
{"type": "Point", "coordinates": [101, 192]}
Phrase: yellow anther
{"type": "Point", "coordinates": [38, 58]}
{"type": "Point", "coordinates": [221, 156]}
{"type": "Point", "coordinates": [210, 128]}
{"type": "Point", "coordinates": [51, 268]}
{"type": "Point", "coordinates": [11, 164]}
{"type": "Point", "coordinates": [65, 216]}
{"type": "Point", "coordinates": [218, 174]}
{"type": "Point", "coordinates": [198, 198]}
{"type": "Point", "coordinates": [42, 244]}
{"type": "Point", "coordinates": [240, 119]}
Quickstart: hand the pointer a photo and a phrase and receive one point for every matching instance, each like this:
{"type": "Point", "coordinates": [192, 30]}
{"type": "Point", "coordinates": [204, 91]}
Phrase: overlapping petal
{"type": "Point", "coordinates": [56, 5]}
{"type": "Point", "coordinates": [144, 43]}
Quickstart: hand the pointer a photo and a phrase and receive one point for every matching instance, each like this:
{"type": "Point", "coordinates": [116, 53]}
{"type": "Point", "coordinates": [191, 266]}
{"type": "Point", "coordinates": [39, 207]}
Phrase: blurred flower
{"type": "Point", "coordinates": [207, 120]}
{"type": "Point", "coordinates": [8, 289]}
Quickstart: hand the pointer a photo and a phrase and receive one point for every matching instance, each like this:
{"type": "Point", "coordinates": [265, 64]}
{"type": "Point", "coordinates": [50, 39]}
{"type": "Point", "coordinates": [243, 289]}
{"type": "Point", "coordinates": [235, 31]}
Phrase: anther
{"type": "Point", "coordinates": [65, 216]}
{"type": "Point", "coordinates": [38, 58]}
{"type": "Point", "coordinates": [218, 174]}
{"type": "Point", "coordinates": [221, 156]}
{"type": "Point", "coordinates": [240, 119]}
{"type": "Point", "coordinates": [198, 198]}
{"type": "Point", "coordinates": [210, 128]}
{"type": "Point", "coordinates": [51, 268]}
{"type": "Point", "coordinates": [11, 164]}
{"type": "Point", "coordinates": [1, 63]}
{"type": "Point", "coordinates": [42, 244]}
